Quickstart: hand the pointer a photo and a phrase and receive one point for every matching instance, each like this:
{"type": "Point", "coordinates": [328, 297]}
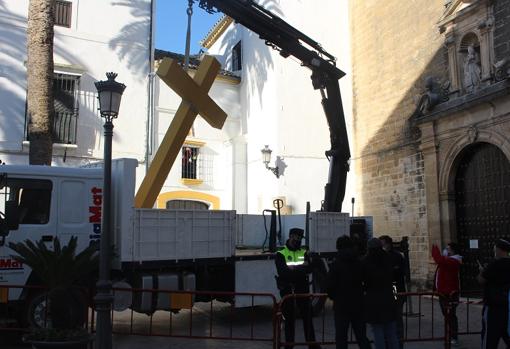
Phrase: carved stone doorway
{"type": "Point", "coordinates": [482, 202]}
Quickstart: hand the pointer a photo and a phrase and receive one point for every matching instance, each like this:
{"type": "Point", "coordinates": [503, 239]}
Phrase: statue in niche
{"type": "Point", "coordinates": [471, 69]}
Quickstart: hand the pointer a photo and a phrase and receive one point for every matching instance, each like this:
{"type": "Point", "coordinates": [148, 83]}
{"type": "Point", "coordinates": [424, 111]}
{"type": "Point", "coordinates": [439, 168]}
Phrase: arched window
{"type": "Point", "coordinates": [186, 205]}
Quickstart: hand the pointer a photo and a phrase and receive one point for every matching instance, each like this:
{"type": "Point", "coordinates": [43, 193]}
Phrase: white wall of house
{"type": "Point", "coordinates": [280, 108]}
{"type": "Point", "coordinates": [105, 35]}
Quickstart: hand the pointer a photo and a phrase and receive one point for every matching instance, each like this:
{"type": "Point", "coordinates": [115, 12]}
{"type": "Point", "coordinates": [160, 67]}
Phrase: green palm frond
{"type": "Point", "coordinates": [59, 266]}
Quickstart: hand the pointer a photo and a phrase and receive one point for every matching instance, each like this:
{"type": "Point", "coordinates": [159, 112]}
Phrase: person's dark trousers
{"type": "Point", "coordinates": [289, 315]}
{"type": "Point", "coordinates": [494, 326]}
{"type": "Point", "coordinates": [453, 302]}
{"type": "Point", "coordinates": [399, 319]}
{"type": "Point", "coordinates": [344, 317]}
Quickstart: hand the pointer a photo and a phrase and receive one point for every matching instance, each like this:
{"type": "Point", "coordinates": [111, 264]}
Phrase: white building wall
{"type": "Point", "coordinates": [280, 108]}
{"type": "Point", "coordinates": [105, 35]}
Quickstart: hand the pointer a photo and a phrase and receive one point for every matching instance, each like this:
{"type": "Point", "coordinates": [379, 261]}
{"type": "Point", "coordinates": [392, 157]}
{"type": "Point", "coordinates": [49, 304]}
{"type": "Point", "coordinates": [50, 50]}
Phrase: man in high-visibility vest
{"type": "Point", "coordinates": [293, 267]}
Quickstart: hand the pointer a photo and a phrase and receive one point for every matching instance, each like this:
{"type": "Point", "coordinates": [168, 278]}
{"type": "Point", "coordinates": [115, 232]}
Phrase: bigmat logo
{"type": "Point", "coordinates": [95, 214]}
{"type": "Point", "coordinates": [7, 263]}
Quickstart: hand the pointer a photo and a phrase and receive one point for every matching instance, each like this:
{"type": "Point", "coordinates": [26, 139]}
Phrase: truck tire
{"type": "Point", "coordinates": [37, 314]}
{"type": "Point", "coordinates": [70, 309]}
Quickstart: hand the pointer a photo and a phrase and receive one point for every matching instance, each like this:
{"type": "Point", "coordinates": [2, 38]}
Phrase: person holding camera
{"type": "Point", "coordinates": [447, 283]}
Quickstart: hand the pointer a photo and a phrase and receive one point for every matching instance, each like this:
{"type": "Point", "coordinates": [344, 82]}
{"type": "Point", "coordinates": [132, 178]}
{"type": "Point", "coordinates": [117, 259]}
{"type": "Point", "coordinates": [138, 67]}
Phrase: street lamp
{"type": "Point", "coordinates": [109, 95]}
{"type": "Point", "coordinates": [266, 159]}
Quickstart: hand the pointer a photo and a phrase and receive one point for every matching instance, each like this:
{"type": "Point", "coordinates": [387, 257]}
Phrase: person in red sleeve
{"type": "Point", "coordinates": [447, 282]}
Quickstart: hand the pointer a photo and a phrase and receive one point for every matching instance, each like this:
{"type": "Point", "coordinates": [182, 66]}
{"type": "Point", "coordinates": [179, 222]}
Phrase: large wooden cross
{"type": "Point", "coordinates": [195, 100]}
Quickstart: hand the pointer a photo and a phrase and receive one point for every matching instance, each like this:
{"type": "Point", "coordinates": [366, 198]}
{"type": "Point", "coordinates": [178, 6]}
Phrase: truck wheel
{"type": "Point", "coordinates": [37, 311]}
{"type": "Point", "coordinates": [68, 307]}
{"type": "Point", "coordinates": [318, 285]}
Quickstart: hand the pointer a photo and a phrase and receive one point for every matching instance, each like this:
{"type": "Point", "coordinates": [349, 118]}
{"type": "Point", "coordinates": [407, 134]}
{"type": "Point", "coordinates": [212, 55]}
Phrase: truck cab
{"type": "Point", "coordinates": [42, 202]}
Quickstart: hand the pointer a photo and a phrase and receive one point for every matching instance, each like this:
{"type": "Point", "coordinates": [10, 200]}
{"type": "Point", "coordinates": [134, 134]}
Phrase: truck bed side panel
{"type": "Point", "coordinates": [182, 234]}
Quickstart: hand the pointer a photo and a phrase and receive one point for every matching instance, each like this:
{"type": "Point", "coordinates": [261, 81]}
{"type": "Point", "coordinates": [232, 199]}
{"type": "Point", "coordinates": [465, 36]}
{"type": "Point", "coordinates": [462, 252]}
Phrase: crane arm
{"type": "Point", "coordinates": [325, 75]}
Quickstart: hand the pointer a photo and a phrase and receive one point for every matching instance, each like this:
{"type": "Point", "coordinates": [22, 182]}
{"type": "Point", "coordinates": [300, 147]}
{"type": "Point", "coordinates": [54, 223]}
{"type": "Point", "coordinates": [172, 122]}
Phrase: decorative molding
{"type": "Point", "coordinates": [213, 200]}
{"type": "Point", "coordinates": [472, 134]}
{"type": "Point", "coordinates": [194, 143]}
{"type": "Point", "coordinates": [448, 168]}
{"type": "Point", "coordinates": [191, 181]}
{"type": "Point", "coordinates": [446, 196]}
{"type": "Point", "coordinates": [502, 69]}
{"type": "Point", "coordinates": [216, 31]}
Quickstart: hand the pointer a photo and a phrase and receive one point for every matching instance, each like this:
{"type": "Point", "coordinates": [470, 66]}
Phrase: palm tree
{"type": "Point", "coordinates": [41, 19]}
{"type": "Point", "coordinates": [64, 273]}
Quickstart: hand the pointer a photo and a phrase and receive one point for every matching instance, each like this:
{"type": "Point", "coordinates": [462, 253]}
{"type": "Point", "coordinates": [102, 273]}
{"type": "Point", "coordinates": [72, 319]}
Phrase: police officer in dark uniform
{"type": "Point", "coordinates": [495, 278]}
{"type": "Point", "coordinates": [293, 267]}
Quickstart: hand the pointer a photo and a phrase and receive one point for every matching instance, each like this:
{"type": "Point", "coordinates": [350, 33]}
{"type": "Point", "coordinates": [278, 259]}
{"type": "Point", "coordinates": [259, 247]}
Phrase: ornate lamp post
{"type": "Point", "coordinates": [266, 159]}
{"type": "Point", "coordinates": [109, 95]}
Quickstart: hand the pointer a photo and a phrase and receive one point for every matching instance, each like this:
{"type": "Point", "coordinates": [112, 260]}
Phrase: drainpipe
{"type": "Point", "coordinates": [150, 90]}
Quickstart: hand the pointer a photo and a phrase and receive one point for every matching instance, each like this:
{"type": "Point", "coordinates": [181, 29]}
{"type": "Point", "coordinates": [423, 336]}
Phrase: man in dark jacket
{"type": "Point", "coordinates": [379, 300]}
{"type": "Point", "coordinates": [345, 288]}
{"type": "Point", "coordinates": [293, 267]}
{"type": "Point", "coordinates": [398, 265]}
{"type": "Point", "coordinates": [495, 278]}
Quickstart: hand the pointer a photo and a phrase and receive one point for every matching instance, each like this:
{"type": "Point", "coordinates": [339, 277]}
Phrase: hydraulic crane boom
{"type": "Point", "coordinates": [325, 75]}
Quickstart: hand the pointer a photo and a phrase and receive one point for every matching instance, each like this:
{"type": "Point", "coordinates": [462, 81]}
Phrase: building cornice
{"type": "Point", "coordinates": [216, 31]}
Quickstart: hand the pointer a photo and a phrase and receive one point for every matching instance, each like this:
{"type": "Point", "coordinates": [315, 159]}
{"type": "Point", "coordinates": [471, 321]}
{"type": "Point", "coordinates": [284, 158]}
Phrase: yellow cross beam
{"type": "Point", "coordinates": [195, 100]}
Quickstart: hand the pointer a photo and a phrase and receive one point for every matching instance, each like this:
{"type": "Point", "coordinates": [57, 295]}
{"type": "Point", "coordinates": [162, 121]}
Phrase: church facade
{"type": "Point", "coordinates": [432, 124]}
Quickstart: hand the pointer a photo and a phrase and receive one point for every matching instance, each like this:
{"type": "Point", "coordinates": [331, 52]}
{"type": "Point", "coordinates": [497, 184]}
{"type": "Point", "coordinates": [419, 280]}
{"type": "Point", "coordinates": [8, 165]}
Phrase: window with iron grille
{"type": "Point", "coordinates": [236, 57]}
{"type": "Point", "coordinates": [63, 10]}
{"type": "Point", "coordinates": [189, 162]}
{"type": "Point", "coordinates": [65, 119]}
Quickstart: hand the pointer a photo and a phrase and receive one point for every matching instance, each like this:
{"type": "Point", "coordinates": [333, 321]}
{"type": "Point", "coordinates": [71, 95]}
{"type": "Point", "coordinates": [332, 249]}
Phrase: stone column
{"type": "Point", "coordinates": [429, 149]}
{"type": "Point", "coordinates": [453, 66]}
{"type": "Point", "coordinates": [448, 219]}
{"type": "Point", "coordinates": [486, 49]}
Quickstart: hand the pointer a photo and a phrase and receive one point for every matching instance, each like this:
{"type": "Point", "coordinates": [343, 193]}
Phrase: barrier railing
{"type": "Point", "coordinates": [470, 308]}
{"type": "Point", "coordinates": [10, 317]}
{"type": "Point", "coordinates": [184, 318]}
{"type": "Point", "coordinates": [426, 324]}
{"type": "Point", "coordinates": [213, 315]}
{"type": "Point", "coordinates": [24, 308]}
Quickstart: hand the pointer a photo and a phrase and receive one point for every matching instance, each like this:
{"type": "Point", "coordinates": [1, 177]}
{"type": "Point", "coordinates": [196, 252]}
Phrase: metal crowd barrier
{"type": "Point", "coordinates": [185, 318]}
{"type": "Point", "coordinates": [424, 324]}
{"type": "Point", "coordinates": [187, 315]}
{"type": "Point", "coordinates": [13, 318]}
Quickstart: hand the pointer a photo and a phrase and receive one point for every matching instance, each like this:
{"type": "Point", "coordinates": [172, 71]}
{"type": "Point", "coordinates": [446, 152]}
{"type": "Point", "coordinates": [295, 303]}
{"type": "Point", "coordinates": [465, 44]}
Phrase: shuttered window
{"type": "Point", "coordinates": [63, 10]}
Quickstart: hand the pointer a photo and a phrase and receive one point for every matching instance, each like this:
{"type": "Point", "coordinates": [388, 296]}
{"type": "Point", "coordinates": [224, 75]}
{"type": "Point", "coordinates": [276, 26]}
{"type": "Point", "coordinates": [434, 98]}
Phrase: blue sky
{"type": "Point", "coordinates": [172, 21]}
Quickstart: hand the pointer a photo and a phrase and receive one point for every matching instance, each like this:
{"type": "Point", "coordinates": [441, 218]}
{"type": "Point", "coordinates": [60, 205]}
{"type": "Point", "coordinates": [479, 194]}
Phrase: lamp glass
{"type": "Point", "coordinates": [266, 155]}
{"type": "Point", "coordinates": [115, 103]}
{"type": "Point", "coordinates": [109, 102]}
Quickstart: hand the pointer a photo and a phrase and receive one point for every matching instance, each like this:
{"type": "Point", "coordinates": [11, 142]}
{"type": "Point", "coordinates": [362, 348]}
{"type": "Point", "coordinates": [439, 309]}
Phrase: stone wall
{"type": "Point", "coordinates": [502, 29]}
{"type": "Point", "coordinates": [396, 45]}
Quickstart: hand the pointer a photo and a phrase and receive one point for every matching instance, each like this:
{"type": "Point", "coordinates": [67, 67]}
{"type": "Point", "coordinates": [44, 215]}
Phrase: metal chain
{"type": "Point", "coordinates": [189, 11]}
